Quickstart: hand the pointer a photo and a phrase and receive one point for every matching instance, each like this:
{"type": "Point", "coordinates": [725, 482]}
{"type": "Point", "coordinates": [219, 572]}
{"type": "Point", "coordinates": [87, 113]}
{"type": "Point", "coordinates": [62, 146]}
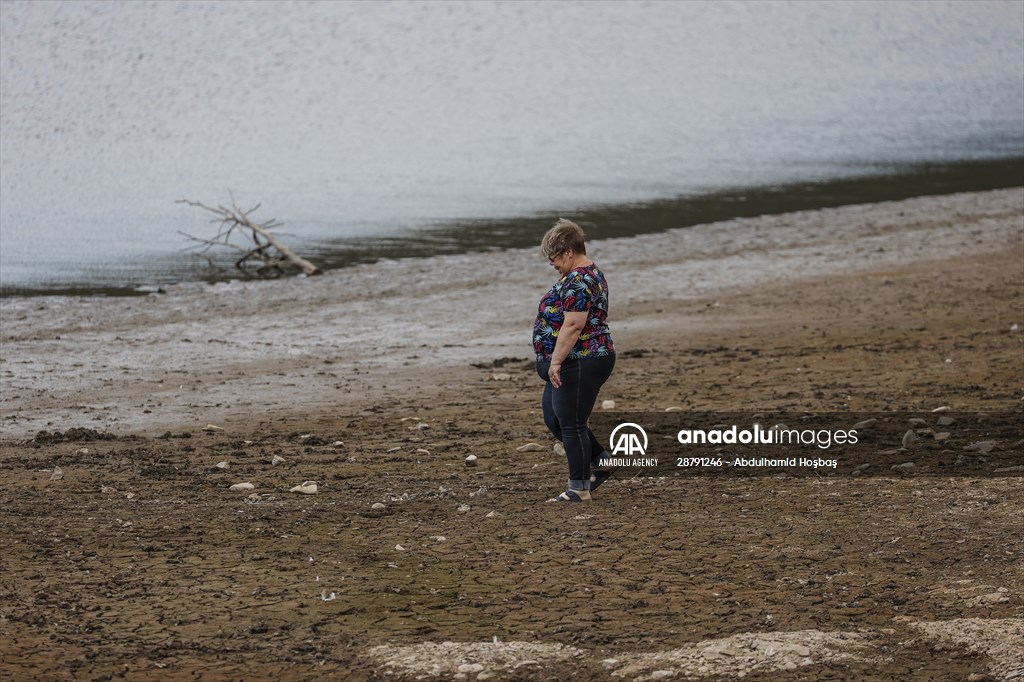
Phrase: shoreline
{"type": "Point", "coordinates": [863, 184]}
{"type": "Point", "coordinates": [154, 546]}
{"type": "Point", "coordinates": [385, 333]}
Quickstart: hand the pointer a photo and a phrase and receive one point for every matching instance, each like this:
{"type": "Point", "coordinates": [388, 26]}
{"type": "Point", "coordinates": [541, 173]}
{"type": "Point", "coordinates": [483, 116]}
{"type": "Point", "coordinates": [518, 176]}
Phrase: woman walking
{"type": "Point", "coordinates": [575, 354]}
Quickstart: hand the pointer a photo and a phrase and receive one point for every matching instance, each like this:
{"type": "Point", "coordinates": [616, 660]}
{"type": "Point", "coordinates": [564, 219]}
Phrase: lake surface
{"type": "Point", "coordinates": [388, 129]}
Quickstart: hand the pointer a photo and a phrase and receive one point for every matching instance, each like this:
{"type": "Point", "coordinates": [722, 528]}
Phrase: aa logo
{"type": "Point", "coordinates": [630, 442]}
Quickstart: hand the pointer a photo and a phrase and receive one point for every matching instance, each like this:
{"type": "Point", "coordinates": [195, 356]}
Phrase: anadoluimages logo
{"type": "Point", "coordinates": [629, 442]}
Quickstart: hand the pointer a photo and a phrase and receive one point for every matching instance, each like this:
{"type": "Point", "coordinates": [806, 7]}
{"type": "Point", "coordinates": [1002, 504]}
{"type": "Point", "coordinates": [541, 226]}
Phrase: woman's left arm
{"type": "Point", "coordinates": [568, 335]}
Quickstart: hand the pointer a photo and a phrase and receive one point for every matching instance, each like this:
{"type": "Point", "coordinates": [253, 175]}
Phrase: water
{"type": "Point", "coordinates": [382, 129]}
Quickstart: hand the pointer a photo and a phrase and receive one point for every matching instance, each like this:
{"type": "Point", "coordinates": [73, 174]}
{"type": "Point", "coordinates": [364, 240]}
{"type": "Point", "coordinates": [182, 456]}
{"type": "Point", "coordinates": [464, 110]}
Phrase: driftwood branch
{"type": "Point", "coordinates": [259, 244]}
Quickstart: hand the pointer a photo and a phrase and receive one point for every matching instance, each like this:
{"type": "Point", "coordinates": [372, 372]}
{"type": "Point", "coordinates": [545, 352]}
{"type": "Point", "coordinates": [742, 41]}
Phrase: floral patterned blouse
{"type": "Point", "coordinates": [580, 290]}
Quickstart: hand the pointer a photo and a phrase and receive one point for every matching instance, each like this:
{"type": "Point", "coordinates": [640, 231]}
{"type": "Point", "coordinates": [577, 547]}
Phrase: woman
{"type": "Point", "coordinates": [575, 355]}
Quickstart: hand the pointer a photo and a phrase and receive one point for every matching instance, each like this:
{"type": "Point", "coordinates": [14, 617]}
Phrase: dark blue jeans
{"type": "Point", "coordinates": [567, 410]}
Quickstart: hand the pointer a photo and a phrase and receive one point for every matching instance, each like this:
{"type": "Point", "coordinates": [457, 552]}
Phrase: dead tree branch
{"type": "Point", "coordinates": [258, 242]}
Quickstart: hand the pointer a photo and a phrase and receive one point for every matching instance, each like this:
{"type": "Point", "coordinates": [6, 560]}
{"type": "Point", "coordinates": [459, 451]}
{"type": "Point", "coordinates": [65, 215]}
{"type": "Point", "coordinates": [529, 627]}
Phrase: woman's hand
{"type": "Point", "coordinates": [555, 374]}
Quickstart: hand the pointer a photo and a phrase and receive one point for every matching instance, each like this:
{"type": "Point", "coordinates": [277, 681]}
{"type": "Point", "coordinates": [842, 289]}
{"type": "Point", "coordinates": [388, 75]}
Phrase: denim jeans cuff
{"type": "Point", "coordinates": [579, 485]}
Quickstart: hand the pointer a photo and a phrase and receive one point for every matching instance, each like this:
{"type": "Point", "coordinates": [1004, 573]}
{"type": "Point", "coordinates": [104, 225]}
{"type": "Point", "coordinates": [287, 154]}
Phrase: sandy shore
{"type": "Point", "coordinates": [233, 353]}
{"type": "Point", "coordinates": [136, 561]}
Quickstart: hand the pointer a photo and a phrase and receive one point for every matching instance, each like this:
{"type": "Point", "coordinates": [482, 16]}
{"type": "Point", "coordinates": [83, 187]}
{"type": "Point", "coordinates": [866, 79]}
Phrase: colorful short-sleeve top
{"type": "Point", "coordinates": [582, 289]}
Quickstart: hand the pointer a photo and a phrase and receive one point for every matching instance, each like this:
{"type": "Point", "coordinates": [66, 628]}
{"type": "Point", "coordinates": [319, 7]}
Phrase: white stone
{"type": "Point", "coordinates": [307, 488]}
{"type": "Point", "coordinates": [531, 447]}
{"type": "Point", "coordinates": [471, 461]}
{"type": "Point", "coordinates": [278, 459]}
{"type": "Point", "coordinates": [239, 487]}
{"type": "Point", "coordinates": [607, 404]}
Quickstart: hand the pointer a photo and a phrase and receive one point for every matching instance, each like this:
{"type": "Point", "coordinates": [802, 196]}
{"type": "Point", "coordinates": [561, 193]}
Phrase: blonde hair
{"type": "Point", "coordinates": [563, 236]}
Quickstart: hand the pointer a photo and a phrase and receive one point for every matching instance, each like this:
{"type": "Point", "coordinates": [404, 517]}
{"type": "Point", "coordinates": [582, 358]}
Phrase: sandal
{"type": "Point", "coordinates": [568, 496]}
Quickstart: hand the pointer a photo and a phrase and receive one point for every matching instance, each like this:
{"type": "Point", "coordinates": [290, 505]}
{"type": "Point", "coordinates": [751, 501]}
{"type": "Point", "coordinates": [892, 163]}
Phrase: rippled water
{"type": "Point", "coordinates": [376, 121]}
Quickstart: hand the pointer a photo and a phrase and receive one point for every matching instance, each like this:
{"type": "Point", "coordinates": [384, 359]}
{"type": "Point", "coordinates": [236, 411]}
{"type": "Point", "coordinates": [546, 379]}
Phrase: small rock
{"type": "Point", "coordinates": [463, 508]}
{"type": "Point", "coordinates": [905, 468]}
{"type": "Point", "coordinates": [501, 376]}
{"type": "Point", "coordinates": [673, 409]}
{"type": "Point", "coordinates": [942, 435]}
{"type": "Point", "coordinates": [221, 465]}
{"type": "Point", "coordinates": [909, 438]}
{"type": "Point", "coordinates": [1014, 327]}
{"type": "Point", "coordinates": [471, 461]}
{"type": "Point", "coordinates": [420, 426]}
{"type": "Point", "coordinates": [307, 488]}
{"type": "Point", "coordinates": [944, 408]}
{"type": "Point", "coordinates": [239, 487]}
{"type": "Point", "coordinates": [399, 548]}
{"type": "Point", "coordinates": [130, 496]}
{"type": "Point", "coordinates": [945, 421]}
{"type": "Point", "coordinates": [861, 469]}
{"type": "Point", "coordinates": [559, 449]}
{"type": "Point", "coordinates": [57, 474]}
{"type": "Point", "coordinates": [378, 506]}
{"type": "Point", "coordinates": [492, 515]}
{"type": "Point", "coordinates": [866, 424]}
{"type": "Point", "coordinates": [253, 498]}
{"type": "Point", "coordinates": [607, 404]}
{"type": "Point", "coordinates": [981, 446]}
{"type": "Point", "coordinates": [479, 493]}
{"type": "Point", "coordinates": [107, 490]}
{"type": "Point", "coordinates": [212, 427]}
{"type": "Point", "coordinates": [470, 668]}
{"type": "Point", "coordinates": [82, 451]}
{"type": "Point", "coordinates": [918, 423]}
{"type": "Point", "coordinates": [278, 459]}
{"type": "Point", "coordinates": [531, 447]}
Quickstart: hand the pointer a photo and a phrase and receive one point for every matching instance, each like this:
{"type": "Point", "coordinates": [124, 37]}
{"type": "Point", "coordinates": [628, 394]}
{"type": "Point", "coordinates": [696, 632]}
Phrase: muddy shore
{"type": "Point", "coordinates": [128, 557]}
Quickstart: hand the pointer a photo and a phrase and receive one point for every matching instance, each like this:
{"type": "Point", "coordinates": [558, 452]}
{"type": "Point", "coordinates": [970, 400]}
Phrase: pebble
{"type": "Point", "coordinates": [278, 459]}
{"type": "Point", "coordinates": [501, 376]}
{"type": "Point", "coordinates": [254, 498]}
{"type": "Point", "coordinates": [463, 508]}
{"type": "Point", "coordinates": [905, 468]}
{"type": "Point", "coordinates": [307, 488]}
{"type": "Point", "coordinates": [239, 487]}
{"type": "Point", "coordinates": [479, 493]}
{"type": "Point", "coordinates": [982, 446]}
{"type": "Point", "coordinates": [471, 461]}
{"type": "Point", "coordinates": [559, 449]}
{"type": "Point", "coordinates": [212, 427]}
{"type": "Point", "coordinates": [378, 506]}
{"type": "Point", "coordinates": [469, 668]}
{"type": "Point", "coordinates": [607, 404]}
{"type": "Point", "coordinates": [57, 474]}
{"type": "Point", "coordinates": [945, 421]}
{"type": "Point", "coordinates": [918, 423]}
{"type": "Point", "coordinates": [399, 548]}
{"type": "Point", "coordinates": [531, 447]}
{"type": "Point", "coordinates": [909, 438]}
{"type": "Point", "coordinates": [107, 490]}
{"type": "Point", "coordinates": [944, 408]}
{"type": "Point", "coordinates": [866, 424]}
{"type": "Point", "coordinates": [673, 409]}
{"type": "Point", "coordinates": [492, 515]}
{"type": "Point", "coordinates": [221, 465]}
{"type": "Point", "coordinates": [942, 435]}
